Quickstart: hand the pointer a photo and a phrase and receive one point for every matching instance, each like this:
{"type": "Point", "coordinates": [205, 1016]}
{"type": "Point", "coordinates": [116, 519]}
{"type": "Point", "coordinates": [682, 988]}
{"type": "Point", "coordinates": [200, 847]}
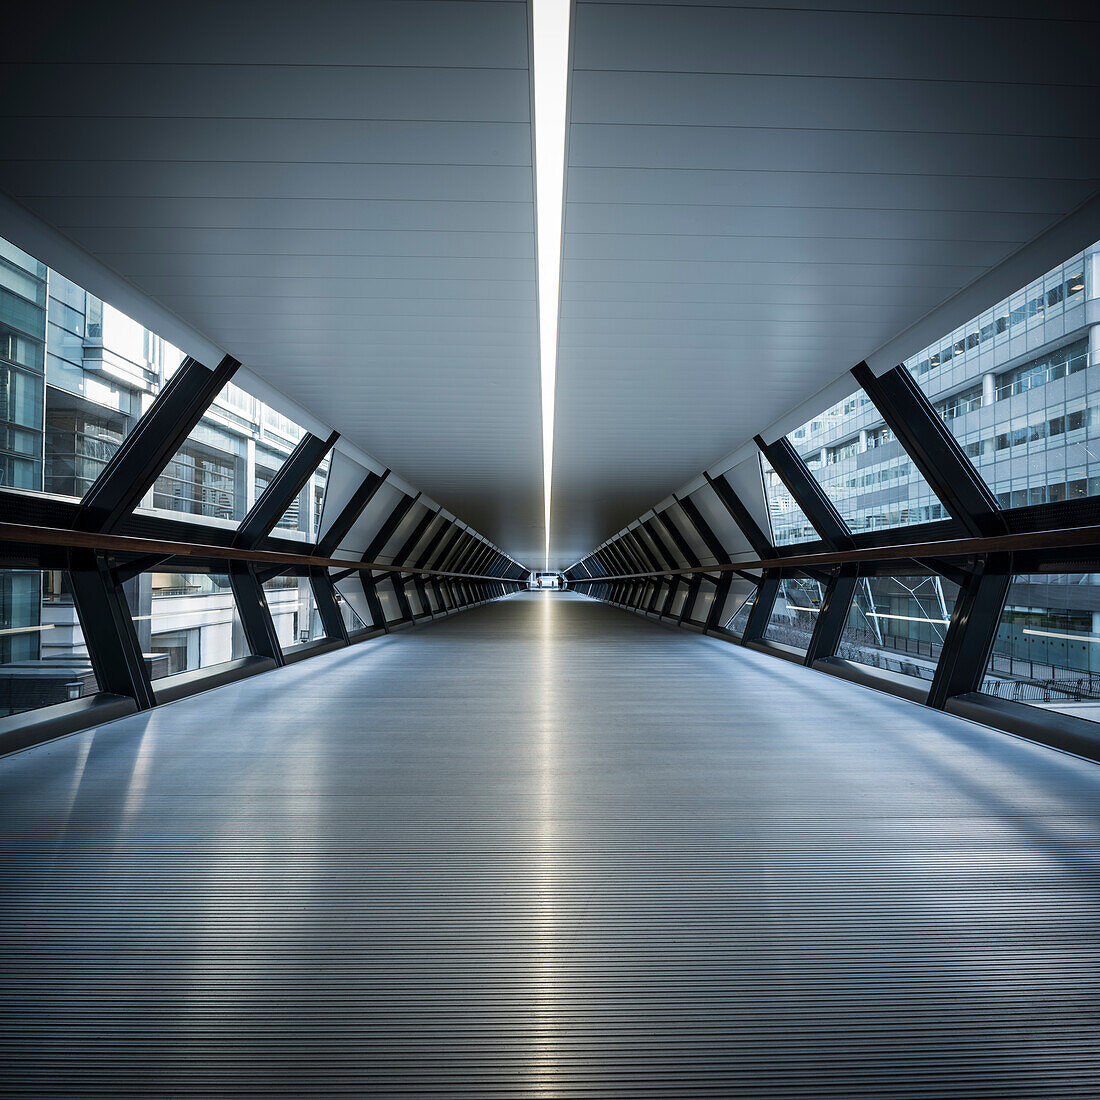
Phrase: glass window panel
{"type": "Point", "coordinates": [293, 610]}
{"type": "Point", "coordinates": [736, 624]}
{"type": "Point", "coordinates": [22, 358]}
{"type": "Point", "coordinates": [43, 658]}
{"type": "Point", "coordinates": [863, 469]}
{"type": "Point", "coordinates": [185, 621]}
{"type": "Point", "coordinates": [228, 460]}
{"type": "Point", "coordinates": [20, 428]}
{"type": "Point", "coordinates": [789, 522]}
{"type": "Point", "coordinates": [1027, 412]}
{"type": "Point", "coordinates": [899, 623]}
{"type": "Point", "coordinates": [795, 612]}
{"type": "Point", "coordinates": [22, 283]}
{"type": "Point", "coordinates": [103, 370]}
{"type": "Point", "coordinates": [303, 517]}
{"type": "Point", "coordinates": [352, 622]}
{"type": "Point", "coordinates": [18, 258]}
{"type": "Point", "coordinates": [1047, 650]}
{"type": "Point", "coordinates": [76, 375]}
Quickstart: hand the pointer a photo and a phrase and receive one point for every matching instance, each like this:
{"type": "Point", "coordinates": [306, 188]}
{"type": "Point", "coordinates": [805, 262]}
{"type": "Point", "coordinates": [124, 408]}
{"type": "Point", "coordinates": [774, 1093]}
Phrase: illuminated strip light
{"type": "Point", "coordinates": [796, 607]}
{"type": "Point", "coordinates": [1093, 638]}
{"type": "Point", "coordinates": [907, 618]}
{"type": "Point", "coordinates": [550, 32]}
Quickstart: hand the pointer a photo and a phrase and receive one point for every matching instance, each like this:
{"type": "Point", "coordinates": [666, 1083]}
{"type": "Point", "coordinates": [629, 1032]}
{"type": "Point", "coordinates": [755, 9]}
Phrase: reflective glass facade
{"type": "Point", "coordinates": [736, 625]}
{"type": "Point", "coordinates": [22, 366]}
{"type": "Point", "coordinates": [185, 621]}
{"type": "Point", "coordinates": [229, 459]}
{"type": "Point", "coordinates": [1047, 650]}
{"type": "Point", "coordinates": [899, 623]}
{"type": "Point", "coordinates": [43, 658]}
{"type": "Point", "coordinates": [1021, 392]}
{"type": "Point", "coordinates": [794, 612]}
{"type": "Point", "coordinates": [293, 609]}
{"type": "Point", "coordinates": [863, 470]}
{"type": "Point", "coordinates": [76, 375]}
{"type": "Point", "coordinates": [1019, 387]}
{"type": "Point", "coordinates": [789, 522]}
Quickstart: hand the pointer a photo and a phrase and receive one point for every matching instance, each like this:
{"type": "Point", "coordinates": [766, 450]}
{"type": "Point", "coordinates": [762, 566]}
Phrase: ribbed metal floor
{"type": "Point", "coordinates": [547, 848]}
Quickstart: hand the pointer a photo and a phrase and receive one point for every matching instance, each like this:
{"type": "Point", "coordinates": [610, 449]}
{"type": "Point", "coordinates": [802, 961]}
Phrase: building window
{"type": "Point", "coordinates": [789, 522]}
{"type": "Point", "coordinates": [795, 612]}
{"type": "Point", "coordinates": [1047, 650]}
{"type": "Point", "coordinates": [899, 623]}
{"type": "Point", "coordinates": [185, 621]}
{"type": "Point", "coordinates": [293, 610]}
{"type": "Point", "coordinates": [864, 472]}
{"type": "Point", "coordinates": [43, 658]}
{"type": "Point", "coordinates": [1026, 414]}
{"type": "Point", "coordinates": [201, 482]}
{"type": "Point", "coordinates": [739, 620]}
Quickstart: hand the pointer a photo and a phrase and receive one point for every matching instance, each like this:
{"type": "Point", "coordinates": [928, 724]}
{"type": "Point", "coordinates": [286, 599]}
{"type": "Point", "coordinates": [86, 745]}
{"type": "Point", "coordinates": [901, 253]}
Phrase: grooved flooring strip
{"type": "Point", "coordinates": [548, 849]}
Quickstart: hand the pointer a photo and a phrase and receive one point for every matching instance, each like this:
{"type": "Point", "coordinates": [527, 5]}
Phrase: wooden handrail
{"type": "Point", "coordinates": [1065, 538]}
{"type": "Point", "coordinates": [90, 540]}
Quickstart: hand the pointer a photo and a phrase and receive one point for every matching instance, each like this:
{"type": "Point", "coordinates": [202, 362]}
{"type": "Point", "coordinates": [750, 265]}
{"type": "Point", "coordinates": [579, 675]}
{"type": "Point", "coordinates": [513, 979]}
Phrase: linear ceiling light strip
{"type": "Point", "coordinates": [551, 71]}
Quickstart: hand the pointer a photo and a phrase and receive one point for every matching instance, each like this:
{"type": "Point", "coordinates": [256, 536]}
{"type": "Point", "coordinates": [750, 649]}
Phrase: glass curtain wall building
{"type": "Point", "coordinates": [75, 376]}
{"type": "Point", "coordinates": [1019, 388]}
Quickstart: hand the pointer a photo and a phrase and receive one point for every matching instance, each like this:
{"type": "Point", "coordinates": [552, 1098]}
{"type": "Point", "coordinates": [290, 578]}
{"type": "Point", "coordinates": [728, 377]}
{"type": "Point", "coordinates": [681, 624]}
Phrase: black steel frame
{"type": "Point", "coordinates": [841, 558]}
{"type": "Point", "coordinates": [93, 542]}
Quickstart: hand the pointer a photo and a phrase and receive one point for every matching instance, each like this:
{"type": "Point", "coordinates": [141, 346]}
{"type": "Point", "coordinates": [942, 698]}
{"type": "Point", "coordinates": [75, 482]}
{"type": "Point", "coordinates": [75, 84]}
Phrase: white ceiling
{"type": "Point", "coordinates": [758, 196]}
{"type": "Point", "coordinates": [339, 193]}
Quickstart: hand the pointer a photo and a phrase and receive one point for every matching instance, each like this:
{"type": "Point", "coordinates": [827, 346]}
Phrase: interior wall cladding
{"type": "Point", "coordinates": [345, 476]}
{"type": "Point", "coordinates": [747, 483]}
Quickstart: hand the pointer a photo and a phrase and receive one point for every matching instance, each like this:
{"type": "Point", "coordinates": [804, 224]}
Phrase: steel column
{"type": "Point", "coordinates": [108, 627]}
{"type": "Point", "coordinates": [761, 611]}
{"type": "Point", "coordinates": [338, 530]}
{"type": "Point", "coordinates": [328, 610]}
{"type": "Point", "coordinates": [972, 630]}
{"type": "Point", "coordinates": [448, 546]}
{"type": "Point", "coordinates": [670, 599]}
{"type": "Point", "coordinates": [404, 554]}
{"type": "Point", "coordinates": [682, 543]}
{"type": "Point", "coordinates": [404, 608]}
{"type": "Point", "coordinates": [389, 526]}
{"type": "Point", "coordinates": [659, 543]}
{"type": "Point", "coordinates": [256, 621]}
{"type": "Point", "coordinates": [432, 544]}
{"type": "Point", "coordinates": [721, 594]}
{"type": "Point", "coordinates": [831, 619]}
{"type": "Point", "coordinates": [706, 533]}
{"type": "Point", "coordinates": [694, 585]}
{"type": "Point", "coordinates": [740, 515]}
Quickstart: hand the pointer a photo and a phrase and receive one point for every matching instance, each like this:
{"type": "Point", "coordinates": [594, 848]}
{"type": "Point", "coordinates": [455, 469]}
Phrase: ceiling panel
{"type": "Point", "coordinates": [339, 194]}
{"type": "Point", "coordinates": [760, 195]}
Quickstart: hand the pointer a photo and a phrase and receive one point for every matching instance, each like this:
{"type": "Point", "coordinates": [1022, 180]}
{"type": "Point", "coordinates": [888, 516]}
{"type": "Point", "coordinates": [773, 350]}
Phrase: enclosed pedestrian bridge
{"type": "Point", "coordinates": [550, 549]}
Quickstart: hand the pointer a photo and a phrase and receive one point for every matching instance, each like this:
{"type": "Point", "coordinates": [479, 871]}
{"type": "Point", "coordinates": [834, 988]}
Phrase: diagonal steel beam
{"type": "Point", "coordinates": [932, 446]}
{"type": "Point", "coordinates": [282, 489]}
{"type": "Point", "coordinates": [807, 493]}
{"type": "Point", "coordinates": [740, 515]}
{"type": "Point", "coordinates": [328, 543]}
{"type": "Point", "coordinates": [152, 444]}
